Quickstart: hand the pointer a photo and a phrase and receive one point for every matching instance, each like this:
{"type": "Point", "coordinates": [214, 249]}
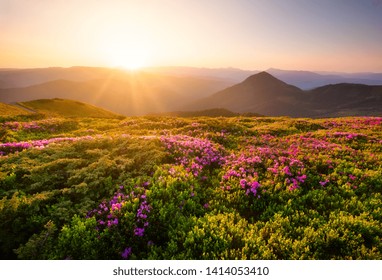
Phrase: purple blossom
{"type": "Point", "coordinates": [323, 183]}
{"type": "Point", "coordinates": [112, 222]}
{"type": "Point", "coordinates": [139, 231]}
{"type": "Point", "coordinates": [108, 217]}
{"type": "Point", "coordinates": [11, 147]}
{"type": "Point", "coordinates": [194, 154]}
{"type": "Point", "coordinates": [126, 253]}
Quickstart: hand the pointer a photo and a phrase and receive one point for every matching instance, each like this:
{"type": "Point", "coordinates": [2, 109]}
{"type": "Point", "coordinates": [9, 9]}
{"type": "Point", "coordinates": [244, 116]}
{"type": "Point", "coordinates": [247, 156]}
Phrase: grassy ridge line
{"type": "Point", "coordinates": [67, 108]}
{"type": "Point", "coordinates": [26, 108]}
{"type": "Point", "coordinates": [7, 110]}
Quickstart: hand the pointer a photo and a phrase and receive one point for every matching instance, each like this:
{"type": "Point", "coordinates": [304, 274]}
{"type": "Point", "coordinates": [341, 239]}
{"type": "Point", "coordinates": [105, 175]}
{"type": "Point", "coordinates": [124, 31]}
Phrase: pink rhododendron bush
{"type": "Point", "coordinates": [191, 188]}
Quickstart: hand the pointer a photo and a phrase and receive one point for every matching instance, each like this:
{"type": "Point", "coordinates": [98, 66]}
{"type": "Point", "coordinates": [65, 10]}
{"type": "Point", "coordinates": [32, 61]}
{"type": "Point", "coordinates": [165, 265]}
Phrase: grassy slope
{"type": "Point", "coordinates": [7, 110]}
{"type": "Point", "coordinates": [67, 108]}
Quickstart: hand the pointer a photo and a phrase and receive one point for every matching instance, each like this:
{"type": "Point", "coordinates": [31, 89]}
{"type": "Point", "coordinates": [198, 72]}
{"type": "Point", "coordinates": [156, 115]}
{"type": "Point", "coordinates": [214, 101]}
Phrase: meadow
{"type": "Point", "coordinates": [158, 187]}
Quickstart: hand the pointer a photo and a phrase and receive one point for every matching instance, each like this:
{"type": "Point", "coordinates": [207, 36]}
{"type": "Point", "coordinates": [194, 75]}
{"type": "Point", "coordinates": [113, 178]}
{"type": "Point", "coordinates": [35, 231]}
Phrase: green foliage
{"type": "Point", "coordinates": [39, 246]}
{"type": "Point", "coordinates": [218, 236]}
{"type": "Point", "coordinates": [78, 240]}
{"type": "Point", "coordinates": [21, 216]}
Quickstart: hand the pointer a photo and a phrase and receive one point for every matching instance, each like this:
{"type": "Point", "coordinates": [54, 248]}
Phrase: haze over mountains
{"type": "Point", "coordinates": [302, 79]}
{"type": "Point", "coordinates": [15, 78]}
{"type": "Point", "coordinates": [165, 89]}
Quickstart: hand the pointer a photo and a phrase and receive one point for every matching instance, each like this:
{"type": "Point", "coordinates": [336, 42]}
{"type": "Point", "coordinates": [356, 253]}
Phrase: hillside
{"type": "Point", "coordinates": [260, 93]}
{"type": "Point", "coordinates": [346, 99]}
{"type": "Point", "coordinates": [123, 93]}
{"type": "Point", "coordinates": [7, 110]}
{"type": "Point", "coordinates": [67, 108]}
{"type": "Point", "coordinates": [194, 188]}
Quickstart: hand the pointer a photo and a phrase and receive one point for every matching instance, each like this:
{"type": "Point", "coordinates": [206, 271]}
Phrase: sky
{"type": "Point", "coordinates": [315, 35]}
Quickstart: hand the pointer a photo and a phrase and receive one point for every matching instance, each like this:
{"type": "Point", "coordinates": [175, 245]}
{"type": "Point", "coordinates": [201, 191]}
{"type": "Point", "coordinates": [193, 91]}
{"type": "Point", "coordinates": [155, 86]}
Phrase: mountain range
{"type": "Point", "coordinates": [303, 79]}
{"type": "Point", "coordinates": [115, 90]}
{"type": "Point", "coordinates": [158, 90]}
{"type": "Point", "coordinates": [15, 78]}
{"type": "Point", "coordinates": [264, 94]}
{"type": "Point", "coordinates": [309, 80]}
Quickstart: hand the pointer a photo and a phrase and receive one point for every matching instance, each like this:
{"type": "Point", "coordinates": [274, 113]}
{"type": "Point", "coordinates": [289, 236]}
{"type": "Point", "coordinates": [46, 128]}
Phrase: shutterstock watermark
{"type": "Point", "coordinates": [134, 271]}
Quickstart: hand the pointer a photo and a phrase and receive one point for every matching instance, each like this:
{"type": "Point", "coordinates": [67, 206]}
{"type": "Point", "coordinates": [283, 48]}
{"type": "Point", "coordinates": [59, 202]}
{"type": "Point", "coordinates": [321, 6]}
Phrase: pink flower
{"type": "Point", "coordinates": [323, 183]}
{"type": "Point", "coordinates": [301, 178]}
{"type": "Point", "coordinates": [286, 170]}
{"type": "Point", "coordinates": [243, 183]}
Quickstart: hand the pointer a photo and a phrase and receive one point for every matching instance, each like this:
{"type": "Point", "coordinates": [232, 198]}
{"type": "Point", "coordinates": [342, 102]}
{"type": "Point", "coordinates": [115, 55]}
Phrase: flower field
{"type": "Point", "coordinates": [190, 188]}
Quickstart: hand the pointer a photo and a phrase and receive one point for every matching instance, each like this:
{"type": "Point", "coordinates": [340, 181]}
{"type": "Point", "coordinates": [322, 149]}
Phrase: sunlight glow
{"type": "Point", "coordinates": [131, 58]}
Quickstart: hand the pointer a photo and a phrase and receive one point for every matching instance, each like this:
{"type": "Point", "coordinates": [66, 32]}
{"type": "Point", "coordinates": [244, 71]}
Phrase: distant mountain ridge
{"type": "Point", "coordinates": [16, 78]}
{"type": "Point", "coordinates": [140, 93]}
{"type": "Point", "coordinates": [309, 80]}
{"type": "Point", "coordinates": [123, 93]}
{"type": "Point", "coordinates": [264, 94]}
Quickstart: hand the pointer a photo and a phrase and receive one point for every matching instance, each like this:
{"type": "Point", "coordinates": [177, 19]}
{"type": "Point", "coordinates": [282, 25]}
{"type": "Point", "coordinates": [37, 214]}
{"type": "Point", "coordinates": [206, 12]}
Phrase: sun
{"type": "Point", "coordinates": [129, 57]}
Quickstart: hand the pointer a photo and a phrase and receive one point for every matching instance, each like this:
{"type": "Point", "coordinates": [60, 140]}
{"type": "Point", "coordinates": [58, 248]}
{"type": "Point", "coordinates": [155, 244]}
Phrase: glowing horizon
{"type": "Point", "coordinates": [339, 35]}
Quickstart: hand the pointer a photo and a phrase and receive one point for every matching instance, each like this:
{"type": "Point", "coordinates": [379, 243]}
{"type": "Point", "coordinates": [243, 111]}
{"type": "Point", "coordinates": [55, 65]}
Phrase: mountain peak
{"type": "Point", "coordinates": [262, 74]}
{"type": "Point", "coordinates": [263, 78]}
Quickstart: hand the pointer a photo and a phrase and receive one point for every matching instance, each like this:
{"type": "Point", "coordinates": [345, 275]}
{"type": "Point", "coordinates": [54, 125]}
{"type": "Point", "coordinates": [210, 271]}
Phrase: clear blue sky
{"type": "Point", "coordinates": [332, 35]}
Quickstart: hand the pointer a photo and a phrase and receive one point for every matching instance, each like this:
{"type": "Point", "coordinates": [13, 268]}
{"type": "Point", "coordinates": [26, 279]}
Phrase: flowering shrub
{"type": "Point", "coordinates": [14, 131]}
{"type": "Point", "coordinates": [193, 153]}
{"type": "Point", "coordinates": [123, 218]}
{"type": "Point", "coordinates": [6, 148]}
{"type": "Point", "coordinates": [191, 188]}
